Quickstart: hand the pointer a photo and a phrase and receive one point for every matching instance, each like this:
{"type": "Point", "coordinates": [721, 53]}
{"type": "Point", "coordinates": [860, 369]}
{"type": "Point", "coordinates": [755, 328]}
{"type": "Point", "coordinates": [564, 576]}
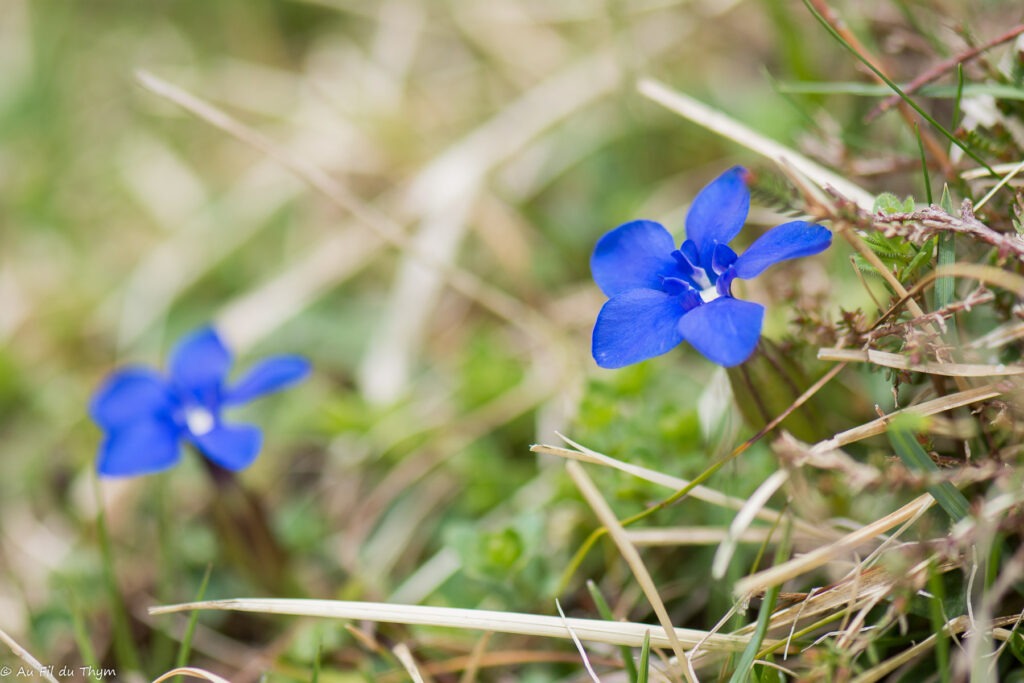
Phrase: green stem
{"type": "Point", "coordinates": [896, 89]}
{"type": "Point", "coordinates": [124, 643]}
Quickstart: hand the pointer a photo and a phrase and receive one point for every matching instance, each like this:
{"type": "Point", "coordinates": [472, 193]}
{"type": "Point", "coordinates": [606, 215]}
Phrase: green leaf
{"type": "Point", "coordinates": [193, 619]}
{"type": "Point", "coordinates": [645, 657]}
{"type": "Point", "coordinates": [923, 257]}
{"type": "Point", "coordinates": [606, 613]}
{"type": "Point", "coordinates": [917, 461]}
{"type": "Point", "coordinates": [887, 202]}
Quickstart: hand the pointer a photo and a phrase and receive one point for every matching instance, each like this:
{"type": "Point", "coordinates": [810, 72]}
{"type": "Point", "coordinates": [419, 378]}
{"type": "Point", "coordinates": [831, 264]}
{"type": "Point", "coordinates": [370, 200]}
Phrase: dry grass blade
{"type": "Point", "coordinates": [938, 405]}
{"type": "Point", "coordinates": [952, 627]}
{"type": "Point", "coordinates": [708, 495]}
{"type": "Point", "coordinates": [404, 655]}
{"type": "Point", "coordinates": [742, 521]}
{"type": "Point", "coordinates": [998, 186]}
{"type": "Point", "coordinates": [730, 128]}
{"type": "Point", "coordinates": [25, 656]}
{"type": "Point", "coordinates": [444, 193]}
{"type": "Point", "coordinates": [579, 646]}
{"type": "Point", "coordinates": [254, 314]}
{"type": "Point", "coordinates": [696, 535]}
{"type": "Point", "coordinates": [591, 630]}
{"type": "Point", "coordinates": [607, 517]}
{"type": "Point", "coordinates": [781, 573]}
{"type": "Point", "coordinates": [1000, 336]}
{"type": "Point", "coordinates": [850, 593]}
{"type": "Point", "coordinates": [900, 362]}
{"type": "Point", "coordinates": [192, 672]}
{"type": "Point", "coordinates": [983, 174]}
{"type": "Point", "coordinates": [462, 281]}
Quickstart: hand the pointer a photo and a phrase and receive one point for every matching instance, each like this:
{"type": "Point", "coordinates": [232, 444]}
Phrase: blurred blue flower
{"type": "Point", "coordinates": [145, 415]}
{"type": "Point", "coordinates": [660, 296]}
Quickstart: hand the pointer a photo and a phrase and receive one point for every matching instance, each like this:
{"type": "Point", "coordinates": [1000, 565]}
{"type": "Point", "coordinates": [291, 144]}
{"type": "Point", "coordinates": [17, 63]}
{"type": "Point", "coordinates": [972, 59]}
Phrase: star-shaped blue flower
{"type": "Point", "coordinates": [146, 416]}
{"type": "Point", "coordinates": [660, 296]}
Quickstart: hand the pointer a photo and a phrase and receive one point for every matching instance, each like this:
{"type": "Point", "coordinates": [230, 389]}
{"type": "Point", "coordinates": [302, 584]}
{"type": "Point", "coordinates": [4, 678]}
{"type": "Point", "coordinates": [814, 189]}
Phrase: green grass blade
{"type": "Point", "coordinates": [124, 644]}
{"type": "Point", "coordinates": [645, 658]}
{"type": "Point", "coordinates": [743, 669]}
{"type": "Point", "coordinates": [315, 678]}
{"type": "Point", "coordinates": [606, 613]}
{"type": "Point", "coordinates": [944, 290]}
{"type": "Point", "coordinates": [81, 633]}
{"type": "Point", "coordinates": [917, 461]}
{"type": "Point", "coordinates": [190, 629]}
{"type": "Point", "coordinates": [924, 165]}
{"type": "Point", "coordinates": [896, 89]}
{"type": "Point", "coordinates": [938, 620]}
{"type": "Point", "coordinates": [959, 95]}
{"type": "Point", "coordinates": [940, 92]}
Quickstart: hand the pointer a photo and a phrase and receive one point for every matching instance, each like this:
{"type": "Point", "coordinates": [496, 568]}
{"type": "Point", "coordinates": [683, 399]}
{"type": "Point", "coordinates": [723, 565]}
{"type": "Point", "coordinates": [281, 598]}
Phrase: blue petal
{"type": "Point", "coordinates": [129, 395]}
{"type": "Point", "coordinates": [200, 363]}
{"type": "Point", "coordinates": [142, 447]}
{"type": "Point", "coordinates": [231, 447]}
{"type": "Point", "coordinates": [718, 212]}
{"type": "Point", "coordinates": [725, 330]}
{"type": "Point", "coordinates": [636, 325]}
{"type": "Point", "coordinates": [633, 256]}
{"type": "Point", "coordinates": [721, 258]}
{"type": "Point", "coordinates": [269, 375]}
{"type": "Point", "coordinates": [786, 241]}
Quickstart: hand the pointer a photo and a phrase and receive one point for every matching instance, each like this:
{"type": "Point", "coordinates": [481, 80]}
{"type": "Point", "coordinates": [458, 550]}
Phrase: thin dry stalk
{"type": "Point", "coordinates": [901, 362]}
{"type": "Point", "coordinates": [475, 657]}
{"type": "Point", "coordinates": [192, 672]}
{"type": "Point", "coordinates": [579, 646]}
{"type": "Point", "coordinates": [629, 553]}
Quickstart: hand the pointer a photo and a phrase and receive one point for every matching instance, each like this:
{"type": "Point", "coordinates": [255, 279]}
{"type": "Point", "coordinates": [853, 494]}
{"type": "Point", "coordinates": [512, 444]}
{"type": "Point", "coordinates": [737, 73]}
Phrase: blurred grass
{"type": "Point", "coordinates": [125, 222]}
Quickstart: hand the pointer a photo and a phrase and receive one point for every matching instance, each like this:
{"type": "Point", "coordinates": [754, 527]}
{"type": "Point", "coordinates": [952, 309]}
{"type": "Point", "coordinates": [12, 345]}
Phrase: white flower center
{"type": "Point", "coordinates": [199, 420]}
{"type": "Point", "coordinates": [709, 294]}
{"type": "Point", "coordinates": [700, 276]}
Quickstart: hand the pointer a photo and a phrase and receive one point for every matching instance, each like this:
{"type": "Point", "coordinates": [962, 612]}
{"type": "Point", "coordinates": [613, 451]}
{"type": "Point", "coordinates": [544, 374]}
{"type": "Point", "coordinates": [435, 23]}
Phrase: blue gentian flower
{"type": "Point", "coordinates": [146, 415]}
{"type": "Point", "coordinates": [660, 296]}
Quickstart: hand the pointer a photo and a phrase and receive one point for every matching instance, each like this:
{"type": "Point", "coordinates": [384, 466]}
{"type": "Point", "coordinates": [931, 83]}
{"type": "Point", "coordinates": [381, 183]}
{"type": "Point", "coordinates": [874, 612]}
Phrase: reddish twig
{"type": "Point", "coordinates": [979, 296]}
{"type": "Point", "coordinates": [940, 69]}
{"type": "Point", "coordinates": [918, 226]}
{"type": "Point", "coordinates": [934, 148]}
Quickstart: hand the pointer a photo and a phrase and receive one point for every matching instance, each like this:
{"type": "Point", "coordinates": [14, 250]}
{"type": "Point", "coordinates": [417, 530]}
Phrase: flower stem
{"type": "Point", "coordinates": [246, 533]}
